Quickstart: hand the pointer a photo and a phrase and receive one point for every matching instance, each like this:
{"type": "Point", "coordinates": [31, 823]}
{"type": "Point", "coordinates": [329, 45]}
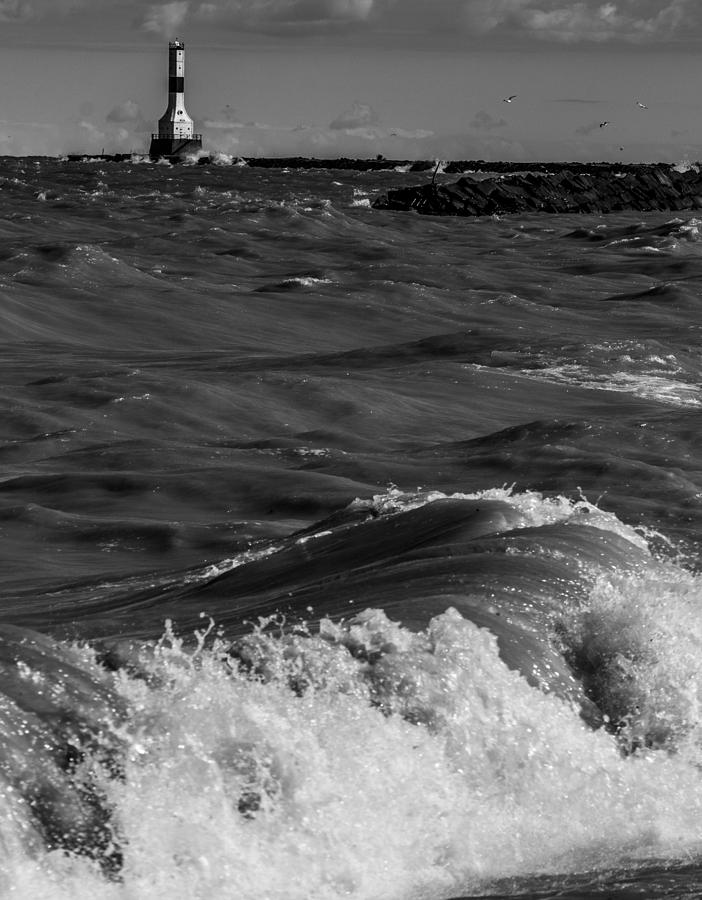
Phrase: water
{"type": "Point", "coordinates": [344, 553]}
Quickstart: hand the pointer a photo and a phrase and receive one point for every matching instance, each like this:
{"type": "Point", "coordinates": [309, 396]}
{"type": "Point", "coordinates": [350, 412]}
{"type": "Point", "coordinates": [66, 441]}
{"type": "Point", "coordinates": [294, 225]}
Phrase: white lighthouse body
{"type": "Point", "coordinates": [175, 135]}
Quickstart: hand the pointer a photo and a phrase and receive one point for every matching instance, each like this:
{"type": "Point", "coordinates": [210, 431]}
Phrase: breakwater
{"type": "Point", "coordinates": [594, 189]}
{"type": "Point", "coordinates": [489, 188]}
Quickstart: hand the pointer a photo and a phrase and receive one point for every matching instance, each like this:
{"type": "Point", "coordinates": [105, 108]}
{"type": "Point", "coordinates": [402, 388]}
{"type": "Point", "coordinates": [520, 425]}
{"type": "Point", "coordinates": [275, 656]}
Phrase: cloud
{"type": "Point", "coordinates": [483, 121]}
{"type": "Point", "coordinates": [96, 140]}
{"type": "Point", "coordinates": [360, 135]}
{"type": "Point", "coordinates": [81, 135]}
{"type": "Point", "coordinates": [562, 21]}
{"type": "Point", "coordinates": [286, 13]}
{"type": "Point", "coordinates": [483, 16]}
{"type": "Point", "coordinates": [360, 115]}
{"type": "Point", "coordinates": [633, 21]}
{"type": "Point", "coordinates": [16, 10]}
{"type": "Point", "coordinates": [167, 18]}
{"type": "Point", "coordinates": [276, 16]}
{"type": "Point", "coordinates": [129, 114]}
{"type": "Point", "coordinates": [127, 111]}
{"type": "Point", "coordinates": [559, 21]}
{"type": "Point", "coordinates": [261, 139]}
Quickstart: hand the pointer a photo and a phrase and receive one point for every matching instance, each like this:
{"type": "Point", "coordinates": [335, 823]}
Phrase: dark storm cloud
{"type": "Point", "coordinates": [283, 15]}
{"type": "Point", "coordinates": [560, 21]}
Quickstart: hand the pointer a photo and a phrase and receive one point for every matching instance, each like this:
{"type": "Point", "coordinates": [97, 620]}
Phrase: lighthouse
{"type": "Point", "coordinates": [175, 137]}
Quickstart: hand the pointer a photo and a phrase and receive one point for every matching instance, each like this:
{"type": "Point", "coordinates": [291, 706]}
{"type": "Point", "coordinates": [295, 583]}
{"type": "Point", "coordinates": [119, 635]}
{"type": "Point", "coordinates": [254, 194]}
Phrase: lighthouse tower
{"type": "Point", "coordinates": [175, 135]}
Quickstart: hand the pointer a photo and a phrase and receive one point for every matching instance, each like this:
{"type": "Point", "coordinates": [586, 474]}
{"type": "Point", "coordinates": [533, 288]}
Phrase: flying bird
{"type": "Point", "coordinates": [509, 99]}
{"type": "Point", "coordinates": [641, 105]}
{"type": "Point", "coordinates": [602, 124]}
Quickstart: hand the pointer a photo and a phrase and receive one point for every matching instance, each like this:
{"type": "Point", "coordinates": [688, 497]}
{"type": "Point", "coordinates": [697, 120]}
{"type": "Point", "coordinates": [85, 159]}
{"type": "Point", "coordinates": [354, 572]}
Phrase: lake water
{"type": "Point", "coordinates": [344, 553]}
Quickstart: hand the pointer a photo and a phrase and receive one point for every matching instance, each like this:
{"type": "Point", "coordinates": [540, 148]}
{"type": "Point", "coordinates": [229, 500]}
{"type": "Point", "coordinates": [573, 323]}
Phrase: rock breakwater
{"type": "Point", "coordinates": [601, 190]}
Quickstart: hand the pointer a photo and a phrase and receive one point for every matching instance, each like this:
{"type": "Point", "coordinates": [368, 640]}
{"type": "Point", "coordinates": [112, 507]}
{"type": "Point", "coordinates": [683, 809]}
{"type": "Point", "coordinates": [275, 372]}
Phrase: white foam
{"type": "Point", "coordinates": [430, 773]}
{"type": "Point", "coordinates": [306, 281]}
{"type": "Point", "coordinates": [660, 386]}
{"type": "Point", "coordinates": [535, 508]}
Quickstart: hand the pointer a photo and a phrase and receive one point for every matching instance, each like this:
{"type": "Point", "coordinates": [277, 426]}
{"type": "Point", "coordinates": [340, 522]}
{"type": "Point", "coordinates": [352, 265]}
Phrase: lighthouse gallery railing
{"type": "Point", "coordinates": [171, 137]}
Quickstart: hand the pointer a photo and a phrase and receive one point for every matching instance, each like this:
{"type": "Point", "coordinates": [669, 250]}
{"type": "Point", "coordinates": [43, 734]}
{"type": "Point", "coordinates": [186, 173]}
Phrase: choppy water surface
{"type": "Point", "coordinates": [344, 553]}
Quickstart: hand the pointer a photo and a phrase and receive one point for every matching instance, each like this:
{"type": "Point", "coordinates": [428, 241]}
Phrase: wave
{"type": "Point", "coordinates": [234, 659]}
{"type": "Point", "coordinates": [441, 671]}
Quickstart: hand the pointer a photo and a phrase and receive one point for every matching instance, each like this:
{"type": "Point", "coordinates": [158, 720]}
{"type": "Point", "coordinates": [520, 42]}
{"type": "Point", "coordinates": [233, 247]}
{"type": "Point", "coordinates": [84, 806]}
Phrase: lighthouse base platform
{"type": "Point", "coordinates": [172, 148]}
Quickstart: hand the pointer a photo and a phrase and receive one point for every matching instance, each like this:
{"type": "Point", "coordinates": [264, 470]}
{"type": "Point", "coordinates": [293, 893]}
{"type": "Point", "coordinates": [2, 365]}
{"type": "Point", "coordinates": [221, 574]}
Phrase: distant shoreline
{"type": "Point", "coordinates": [382, 164]}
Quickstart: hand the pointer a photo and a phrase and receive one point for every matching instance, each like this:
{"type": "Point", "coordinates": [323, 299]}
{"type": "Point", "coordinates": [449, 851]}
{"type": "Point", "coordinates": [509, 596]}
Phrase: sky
{"type": "Point", "coordinates": [408, 79]}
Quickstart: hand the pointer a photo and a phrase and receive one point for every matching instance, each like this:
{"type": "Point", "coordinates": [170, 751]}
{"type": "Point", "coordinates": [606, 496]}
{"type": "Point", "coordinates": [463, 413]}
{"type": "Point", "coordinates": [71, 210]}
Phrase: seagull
{"type": "Point", "coordinates": [602, 124]}
{"type": "Point", "coordinates": [641, 105]}
{"type": "Point", "coordinates": [509, 99]}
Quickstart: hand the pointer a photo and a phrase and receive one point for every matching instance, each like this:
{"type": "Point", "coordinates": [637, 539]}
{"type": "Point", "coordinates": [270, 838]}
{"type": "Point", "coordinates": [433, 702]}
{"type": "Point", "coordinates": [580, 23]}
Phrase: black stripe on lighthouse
{"type": "Point", "coordinates": [176, 85]}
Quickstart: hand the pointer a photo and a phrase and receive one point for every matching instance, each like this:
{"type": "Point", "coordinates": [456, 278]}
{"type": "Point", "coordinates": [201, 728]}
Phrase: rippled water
{"type": "Point", "coordinates": [344, 553]}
